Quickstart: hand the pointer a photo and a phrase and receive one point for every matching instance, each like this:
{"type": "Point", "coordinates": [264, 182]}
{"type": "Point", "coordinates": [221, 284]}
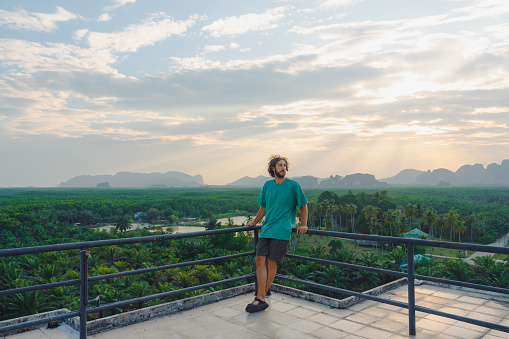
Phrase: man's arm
{"type": "Point", "coordinates": [303, 228]}
{"type": "Point", "coordinates": [259, 216]}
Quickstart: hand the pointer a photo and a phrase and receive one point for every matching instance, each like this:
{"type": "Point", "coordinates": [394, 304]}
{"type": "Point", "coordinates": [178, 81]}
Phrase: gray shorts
{"type": "Point", "coordinates": [274, 249]}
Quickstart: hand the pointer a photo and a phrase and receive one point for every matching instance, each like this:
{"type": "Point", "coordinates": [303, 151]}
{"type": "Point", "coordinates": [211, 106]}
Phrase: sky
{"type": "Point", "coordinates": [215, 87]}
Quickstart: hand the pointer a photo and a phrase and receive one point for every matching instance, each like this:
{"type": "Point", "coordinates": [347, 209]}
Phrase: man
{"type": "Point", "coordinates": [278, 202]}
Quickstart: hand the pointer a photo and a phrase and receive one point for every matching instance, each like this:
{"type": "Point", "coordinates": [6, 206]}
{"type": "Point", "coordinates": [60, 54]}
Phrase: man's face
{"type": "Point", "coordinates": [280, 169]}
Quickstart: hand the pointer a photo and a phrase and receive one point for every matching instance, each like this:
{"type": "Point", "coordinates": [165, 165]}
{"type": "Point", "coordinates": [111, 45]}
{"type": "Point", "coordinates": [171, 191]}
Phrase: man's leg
{"type": "Point", "coordinates": [261, 276]}
{"type": "Point", "coordinates": [271, 274]}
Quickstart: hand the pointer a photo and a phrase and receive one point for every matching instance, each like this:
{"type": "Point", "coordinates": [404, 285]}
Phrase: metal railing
{"type": "Point", "coordinates": [410, 243]}
{"type": "Point", "coordinates": [84, 247]}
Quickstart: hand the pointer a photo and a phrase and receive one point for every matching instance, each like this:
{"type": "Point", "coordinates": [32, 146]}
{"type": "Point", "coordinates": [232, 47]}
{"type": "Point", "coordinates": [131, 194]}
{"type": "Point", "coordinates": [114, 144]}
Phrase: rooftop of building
{"type": "Point", "coordinates": [296, 317]}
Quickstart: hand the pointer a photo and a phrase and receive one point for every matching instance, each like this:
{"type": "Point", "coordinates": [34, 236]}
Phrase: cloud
{"type": "Point", "coordinates": [155, 28]}
{"type": "Point", "coordinates": [32, 57]}
{"type": "Point", "coordinates": [104, 17]}
{"type": "Point", "coordinates": [32, 21]}
{"type": "Point", "coordinates": [119, 3]}
{"type": "Point", "coordinates": [213, 48]}
{"type": "Point", "coordinates": [335, 4]}
{"type": "Point", "coordinates": [237, 25]}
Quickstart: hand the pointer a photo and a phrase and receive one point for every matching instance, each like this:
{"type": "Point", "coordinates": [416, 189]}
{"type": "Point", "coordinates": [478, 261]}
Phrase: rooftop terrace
{"type": "Point", "coordinates": [295, 317]}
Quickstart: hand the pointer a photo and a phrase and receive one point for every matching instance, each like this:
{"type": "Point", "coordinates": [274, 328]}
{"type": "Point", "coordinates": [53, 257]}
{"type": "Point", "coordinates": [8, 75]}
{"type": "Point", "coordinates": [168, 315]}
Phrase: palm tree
{"type": "Point", "coordinates": [410, 212]}
{"type": "Point", "coordinates": [229, 268]}
{"type": "Point", "coordinates": [457, 270]}
{"type": "Point", "coordinates": [364, 280]}
{"type": "Point", "coordinates": [320, 208]}
{"type": "Point", "coordinates": [45, 274]}
{"type": "Point", "coordinates": [441, 224]}
{"type": "Point", "coordinates": [342, 255]}
{"type": "Point", "coordinates": [398, 256]}
{"type": "Point", "coordinates": [370, 214]}
{"type": "Point", "coordinates": [110, 295]}
{"type": "Point", "coordinates": [202, 273]}
{"type": "Point", "coordinates": [185, 279]}
{"type": "Point", "coordinates": [123, 223]}
{"type": "Point", "coordinates": [491, 273]}
{"type": "Point", "coordinates": [472, 220]}
{"type": "Point", "coordinates": [353, 211]}
{"type": "Point", "coordinates": [317, 252]}
{"type": "Point", "coordinates": [139, 289]}
{"type": "Point", "coordinates": [389, 218]}
{"type": "Point", "coordinates": [452, 218]}
{"type": "Point", "coordinates": [138, 257]}
{"type": "Point", "coordinates": [332, 276]}
{"type": "Point", "coordinates": [212, 223]}
{"type": "Point", "coordinates": [111, 254]}
{"type": "Point", "coordinates": [27, 303]}
{"type": "Point", "coordinates": [370, 259]}
{"type": "Point", "coordinates": [460, 227]}
{"type": "Point", "coordinates": [430, 216]}
{"type": "Point", "coordinates": [418, 214]}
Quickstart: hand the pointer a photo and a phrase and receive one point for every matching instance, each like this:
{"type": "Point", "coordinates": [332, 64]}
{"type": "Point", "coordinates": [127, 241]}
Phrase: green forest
{"type": "Point", "coordinates": [37, 216]}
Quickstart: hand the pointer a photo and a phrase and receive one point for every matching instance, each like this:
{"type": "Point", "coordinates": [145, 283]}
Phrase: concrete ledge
{"type": "Point", "coordinates": [46, 316]}
{"type": "Point", "coordinates": [337, 303]}
{"type": "Point", "coordinates": [136, 316]}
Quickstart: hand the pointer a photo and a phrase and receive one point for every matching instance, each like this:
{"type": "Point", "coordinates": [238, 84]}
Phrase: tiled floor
{"type": "Point", "coordinates": [289, 317]}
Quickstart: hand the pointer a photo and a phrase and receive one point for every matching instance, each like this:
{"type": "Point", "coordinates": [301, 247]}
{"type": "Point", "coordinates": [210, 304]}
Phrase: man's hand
{"type": "Point", "coordinates": [251, 223]}
{"type": "Point", "coordinates": [302, 229]}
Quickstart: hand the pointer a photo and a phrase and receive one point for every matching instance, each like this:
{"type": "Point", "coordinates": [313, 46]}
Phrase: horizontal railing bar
{"type": "Point", "coordinates": [463, 284]}
{"type": "Point", "coordinates": [401, 274]}
{"type": "Point", "coordinates": [394, 303]}
{"type": "Point", "coordinates": [40, 287]}
{"type": "Point", "coordinates": [340, 290]}
{"type": "Point", "coordinates": [50, 319]}
{"type": "Point", "coordinates": [413, 241]}
{"type": "Point", "coordinates": [123, 241]}
{"type": "Point", "coordinates": [167, 294]}
{"type": "Point", "coordinates": [165, 267]}
{"type": "Point", "coordinates": [120, 274]}
{"type": "Point", "coordinates": [461, 318]}
{"type": "Point", "coordinates": [352, 266]}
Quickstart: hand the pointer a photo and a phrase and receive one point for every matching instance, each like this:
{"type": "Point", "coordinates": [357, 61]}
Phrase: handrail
{"type": "Point", "coordinates": [410, 242]}
{"type": "Point", "coordinates": [410, 275]}
{"type": "Point", "coordinates": [84, 278]}
{"type": "Point", "coordinates": [122, 241]}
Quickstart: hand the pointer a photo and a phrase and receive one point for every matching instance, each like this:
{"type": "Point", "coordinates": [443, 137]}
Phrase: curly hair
{"type": "Point", "coordinates": [273, 160]}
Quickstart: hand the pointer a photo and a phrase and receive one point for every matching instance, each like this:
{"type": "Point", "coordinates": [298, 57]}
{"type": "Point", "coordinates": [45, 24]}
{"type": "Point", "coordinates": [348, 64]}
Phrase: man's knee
{"type": "Point", "coordinates": [271, 263]}
{"type": "Point", "coordinates": [261, 260]}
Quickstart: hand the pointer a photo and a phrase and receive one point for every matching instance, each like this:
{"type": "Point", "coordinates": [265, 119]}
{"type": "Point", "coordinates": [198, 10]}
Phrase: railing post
{"type": "Point", "coordinates": [84, 254]}
{"type": "Point", "coordinates": [255, 244]}
{"type": "Point", "coordinates": [411, 289]}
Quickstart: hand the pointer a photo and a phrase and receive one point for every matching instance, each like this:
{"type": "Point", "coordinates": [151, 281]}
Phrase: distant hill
{"type": "Point", "coordinates": [467, 175]}
{"type": "Point", "coordinates": [250, 182]}
{"type": "Point", "coordinates": [308, 181]}
{"type": "Point", "coordinates": [405, 177]}
{"type": "Point", "coordinates": [136, 180]}
{"type": "Point", "coordinates": [305, 181]}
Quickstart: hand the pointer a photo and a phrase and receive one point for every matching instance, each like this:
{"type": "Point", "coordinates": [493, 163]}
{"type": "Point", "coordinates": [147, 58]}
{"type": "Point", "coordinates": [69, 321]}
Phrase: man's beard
{"type": "Point", "coordinates": [280, 176]}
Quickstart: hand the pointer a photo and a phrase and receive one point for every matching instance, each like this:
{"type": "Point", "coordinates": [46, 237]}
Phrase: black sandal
{"type": "Point", "coordinates": [262, 305]}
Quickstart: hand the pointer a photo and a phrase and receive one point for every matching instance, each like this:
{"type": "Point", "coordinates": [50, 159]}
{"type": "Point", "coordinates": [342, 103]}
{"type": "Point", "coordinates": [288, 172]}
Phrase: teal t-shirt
{"type": "Point", "coordinates": [281, 202]}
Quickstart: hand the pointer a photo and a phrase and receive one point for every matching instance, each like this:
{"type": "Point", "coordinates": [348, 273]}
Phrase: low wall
{"type": "Point", "coordinates": [45, 315]}
{"type": "Point", "coordinates": [136, 316]}
{"type": "Point", "coordinates": [337, 303]}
